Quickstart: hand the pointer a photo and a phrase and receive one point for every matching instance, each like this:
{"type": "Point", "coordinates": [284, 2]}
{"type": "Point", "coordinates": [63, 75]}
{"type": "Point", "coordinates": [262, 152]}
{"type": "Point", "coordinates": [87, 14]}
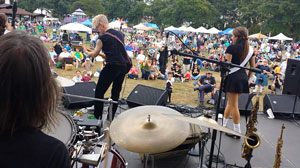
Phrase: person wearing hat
{"type": "Point", "coordinates": [87, 65]}
{"type": "Point", "coordinates": [206, 84]}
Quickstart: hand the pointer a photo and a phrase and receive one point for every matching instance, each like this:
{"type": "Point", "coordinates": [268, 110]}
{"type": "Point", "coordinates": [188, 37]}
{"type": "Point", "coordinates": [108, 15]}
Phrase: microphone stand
{"type": "Point", "coordinates": [224, 68]}
{"type": "Point", "coordinates": [14, 12]}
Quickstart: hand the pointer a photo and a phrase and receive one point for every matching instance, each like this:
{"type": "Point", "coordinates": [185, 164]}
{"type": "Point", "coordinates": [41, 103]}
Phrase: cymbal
{"type": "Point", "coordinates": [206, 122]}
{"type": "Point", "coordinates": [64, 82]}
{"type": "Point", "coordinates": [146, 130]}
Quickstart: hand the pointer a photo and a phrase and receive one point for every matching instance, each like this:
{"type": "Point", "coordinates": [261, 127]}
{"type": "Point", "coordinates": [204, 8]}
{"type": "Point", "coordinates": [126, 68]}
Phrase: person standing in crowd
{"type": "Point", "coordinates": [205, 84]}
{"type": "Point", "coordinates": [28, 102]}
{"type": "Point", "coordinates": [117, 62]}
{"type": "Point", "coordinates": [262, 78]}
{"type": "Point", "coordinates": [276, 84]}
{"type": "Point", "coordinates": [169, 85]}
{"type": "Point", "coordinates": [4, 26]}
{"type": "Point", "coordinates": [187, 62]}
{"type": "Point", "coordinates": [237, 80]}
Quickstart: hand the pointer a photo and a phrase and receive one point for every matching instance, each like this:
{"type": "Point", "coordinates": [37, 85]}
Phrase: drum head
{"type": "Point", "coordinates": [63, 129]}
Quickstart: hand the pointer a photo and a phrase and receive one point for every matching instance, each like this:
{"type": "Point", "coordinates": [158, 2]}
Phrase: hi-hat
{"type": "Point", "coordinates": [64, 82]}
{"type": "Point", "coordinates": [146, 130]}
{"type": "Point", "coordinates": [206, 122]}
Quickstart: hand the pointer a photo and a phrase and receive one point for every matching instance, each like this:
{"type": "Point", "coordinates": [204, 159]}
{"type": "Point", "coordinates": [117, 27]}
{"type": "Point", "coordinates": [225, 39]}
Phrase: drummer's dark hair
{"type": "Point", "coordinates": [242, 41]}
{"type": "Point", "coordinates": [29, 92]}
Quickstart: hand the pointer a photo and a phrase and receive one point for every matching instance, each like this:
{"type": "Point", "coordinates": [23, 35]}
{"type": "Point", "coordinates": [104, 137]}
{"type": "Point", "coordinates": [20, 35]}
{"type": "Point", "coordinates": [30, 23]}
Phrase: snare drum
{"type": "Point", "coordinates": [64, 129]}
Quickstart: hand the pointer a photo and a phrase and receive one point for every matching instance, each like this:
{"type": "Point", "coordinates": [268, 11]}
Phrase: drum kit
{"type": "Point", "coordinates": [147, 130]}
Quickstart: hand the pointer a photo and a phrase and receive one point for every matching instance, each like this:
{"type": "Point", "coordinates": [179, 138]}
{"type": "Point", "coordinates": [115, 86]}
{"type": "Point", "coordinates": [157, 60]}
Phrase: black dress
{"type": "Point", "coordinates": [236, 82]}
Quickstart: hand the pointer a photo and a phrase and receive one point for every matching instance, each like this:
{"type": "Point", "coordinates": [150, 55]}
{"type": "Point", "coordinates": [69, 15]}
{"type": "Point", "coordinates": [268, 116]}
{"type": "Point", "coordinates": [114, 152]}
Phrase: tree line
{"type": "Point", "coordinates": [267, 16]}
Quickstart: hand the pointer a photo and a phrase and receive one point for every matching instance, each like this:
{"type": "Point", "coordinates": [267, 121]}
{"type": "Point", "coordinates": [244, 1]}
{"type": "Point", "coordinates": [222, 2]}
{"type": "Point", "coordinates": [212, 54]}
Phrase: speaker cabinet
{"type": "Point", "coordinates": [292, 77]}
{"type": "Point", "coordinates": [145, 95]}
{"type": "Point", "coordinates": [282, 105]}
{"type": "Point", "coordinates": [243, 99]}
{"type": "Point", "coordinates": [86, 89]}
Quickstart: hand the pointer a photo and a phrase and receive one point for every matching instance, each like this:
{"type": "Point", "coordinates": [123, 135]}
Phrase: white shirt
{"type": "Point", "coordinates": [77, 79]}
{"type": "Point", "coordinates": [65, 55]}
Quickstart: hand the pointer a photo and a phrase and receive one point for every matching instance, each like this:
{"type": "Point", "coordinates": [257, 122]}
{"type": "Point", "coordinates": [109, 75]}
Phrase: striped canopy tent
{"type": "Point", "coordinates": [256, 36]}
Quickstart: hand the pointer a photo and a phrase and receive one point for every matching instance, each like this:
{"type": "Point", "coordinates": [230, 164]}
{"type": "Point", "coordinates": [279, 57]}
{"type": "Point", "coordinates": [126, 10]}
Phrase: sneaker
{"type": "Point", "coordinates": [196, 89]}
{"type": "Point", "coordinates": [232, 136]}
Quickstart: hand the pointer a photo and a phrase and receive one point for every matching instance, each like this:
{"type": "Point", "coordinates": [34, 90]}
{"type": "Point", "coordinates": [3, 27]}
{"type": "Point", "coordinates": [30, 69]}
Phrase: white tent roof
{"type": "Point", "coordinates": [213, 30]}
{"type": "Point", "coordinates": [201, 30]}
{"type": "Point", "coordinates": [280, 36]}
{"type": "Point", "coordinates": [75, 27]}
{"type": "Point", "coordinates": [116, 24]}
{"type": "Point", "coordinates": [182, 28]}
{"type": "Point", "coordinates": [171, 28]}
{"type": "Point", "coordinates": [190, 29]}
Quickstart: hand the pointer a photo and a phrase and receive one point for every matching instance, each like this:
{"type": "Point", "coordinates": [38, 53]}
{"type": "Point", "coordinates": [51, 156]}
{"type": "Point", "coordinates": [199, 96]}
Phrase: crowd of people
{"type": "Point", "coordinates": [147, 48]}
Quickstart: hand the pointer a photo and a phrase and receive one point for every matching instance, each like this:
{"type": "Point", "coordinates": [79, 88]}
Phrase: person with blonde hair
{"type": "Point", "coordinates": [236, 82]}
{"type": "Point", "coordinates": [111, 42]}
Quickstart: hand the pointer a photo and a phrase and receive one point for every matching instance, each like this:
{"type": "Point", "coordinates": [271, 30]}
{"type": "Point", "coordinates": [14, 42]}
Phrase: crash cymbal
{"type": "Point", "coordinates": [146, 130]}
{"type": "Point", "coordinates": [64, 82]}
{"type": "Point", "coordinates": [205, 122]}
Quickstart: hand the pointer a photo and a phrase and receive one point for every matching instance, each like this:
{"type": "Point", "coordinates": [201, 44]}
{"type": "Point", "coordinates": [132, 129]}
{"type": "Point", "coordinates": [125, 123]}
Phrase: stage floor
{"type": "Point", "coordinates": [263, 156]}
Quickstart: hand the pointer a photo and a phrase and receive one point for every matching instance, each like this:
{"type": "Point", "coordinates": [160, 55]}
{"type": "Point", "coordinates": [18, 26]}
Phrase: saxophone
{"type": "Point", "coordinates": [254, 142]}
{"type": "Point", "coordinates": [278, 149]}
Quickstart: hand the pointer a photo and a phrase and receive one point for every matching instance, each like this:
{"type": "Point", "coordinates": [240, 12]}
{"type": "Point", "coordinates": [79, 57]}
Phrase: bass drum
{"type": "Point", "coordinates": [114, 160]}
{"type": "Point", "coordinates": [64, 129]}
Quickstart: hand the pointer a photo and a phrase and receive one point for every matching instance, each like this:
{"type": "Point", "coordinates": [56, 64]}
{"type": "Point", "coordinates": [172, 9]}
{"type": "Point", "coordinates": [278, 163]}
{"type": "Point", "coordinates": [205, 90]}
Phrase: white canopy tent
{"type": "Point", "coordinates": [116, 24]}
{"type": "Point", "coordinates": [182, 28]}
{"type": "Point", "coordinates": [281, 37]}
{"type": "Point", "coordinates": [201, 30]}
{"type": "Point", "coordinates": [76, 27]}
{"type": "Point", "coordinates": [171, 28]}
{"type": "Point", "coordinates": [213, 30]}
{"type": "Point", "coordinates": [190, 29]}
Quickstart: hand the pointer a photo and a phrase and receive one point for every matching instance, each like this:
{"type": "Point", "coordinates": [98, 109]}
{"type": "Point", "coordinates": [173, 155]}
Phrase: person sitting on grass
{"type": "Point", "coordinates": [206, 84]}
{"type": "Point", "coordinates": [78, 57]}
{"type": "Point", "coordinates": [77, 77]}
{"type": "Point", "coordinates": [133, 73]}
{"type": "Point", "coordinates": [85, 77]}
{"type": "Point", "coordinates": [195, 73]}
{"type": "Point", "coordinates": [87, 65]}
{"type": "Point", "coordinates": [177, 74]}
{"type": "Point", "coordinates": [153, 70]}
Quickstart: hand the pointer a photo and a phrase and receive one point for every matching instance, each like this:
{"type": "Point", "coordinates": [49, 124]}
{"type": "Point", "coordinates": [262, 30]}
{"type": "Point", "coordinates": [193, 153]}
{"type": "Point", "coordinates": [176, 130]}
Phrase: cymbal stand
{"type": "Point", "coordinates": [145, 160]}
{"type": "Point", "coordinates": [202, 143]}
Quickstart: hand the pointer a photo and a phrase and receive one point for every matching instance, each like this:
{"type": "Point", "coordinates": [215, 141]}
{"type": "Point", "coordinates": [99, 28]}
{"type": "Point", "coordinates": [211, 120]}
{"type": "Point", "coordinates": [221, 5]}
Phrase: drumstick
{"type": "Point", "coordinates": [100, 54]}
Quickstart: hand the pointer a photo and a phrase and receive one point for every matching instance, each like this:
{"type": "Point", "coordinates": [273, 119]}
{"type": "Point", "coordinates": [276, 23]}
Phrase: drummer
{"type": "Point", "coordinates": [28, 99]}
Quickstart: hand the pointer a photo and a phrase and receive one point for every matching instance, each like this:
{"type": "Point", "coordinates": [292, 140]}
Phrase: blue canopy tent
{"type": "Point", "coordinates": [178, 32]}
{"type": "Point", "coordinates": [227, 31]}
{"type": "Point", "coordinates": [87, 22]}
{"type": "Point", "coordinates": [152, 25]}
